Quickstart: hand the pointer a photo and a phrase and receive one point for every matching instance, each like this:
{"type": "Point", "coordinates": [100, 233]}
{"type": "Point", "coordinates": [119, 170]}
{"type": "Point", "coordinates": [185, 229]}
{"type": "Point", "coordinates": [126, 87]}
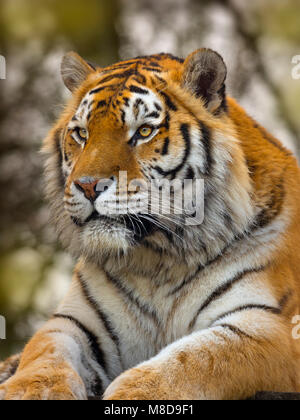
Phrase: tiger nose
{"type": "Point", "coordinates": [92, 187]}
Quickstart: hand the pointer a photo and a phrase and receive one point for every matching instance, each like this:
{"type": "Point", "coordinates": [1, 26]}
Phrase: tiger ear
{"type": "Point", "coordinates": [204, 75]}
{"type": "Point", "coordinates": [75, 70]}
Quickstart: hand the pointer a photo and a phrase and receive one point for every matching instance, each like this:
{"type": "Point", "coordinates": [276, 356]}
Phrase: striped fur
{"type": "Point", "coordinates": [9, 368]}
{"type": "Point", "coordinates": [162, 310]}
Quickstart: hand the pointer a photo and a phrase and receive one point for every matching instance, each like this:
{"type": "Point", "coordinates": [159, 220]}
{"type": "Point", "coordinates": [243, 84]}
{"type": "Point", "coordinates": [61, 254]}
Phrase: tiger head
{"type": "Point", "coordinates": [151, 118]}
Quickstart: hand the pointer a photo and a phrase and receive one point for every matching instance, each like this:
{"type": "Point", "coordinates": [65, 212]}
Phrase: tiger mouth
{"type": "Point", "coordinates": [140, 225]}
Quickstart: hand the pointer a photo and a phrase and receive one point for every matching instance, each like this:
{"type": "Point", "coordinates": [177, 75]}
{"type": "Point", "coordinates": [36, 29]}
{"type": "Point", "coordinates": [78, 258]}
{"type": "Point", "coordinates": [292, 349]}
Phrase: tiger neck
{"type": "Point", "coordinates": [229, 215]}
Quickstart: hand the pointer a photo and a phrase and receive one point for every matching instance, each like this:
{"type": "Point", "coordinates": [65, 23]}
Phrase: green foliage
{"type": "Point", "coordinates": [90, 26]}
{"type": "Point", "coordinates": [281, 19]}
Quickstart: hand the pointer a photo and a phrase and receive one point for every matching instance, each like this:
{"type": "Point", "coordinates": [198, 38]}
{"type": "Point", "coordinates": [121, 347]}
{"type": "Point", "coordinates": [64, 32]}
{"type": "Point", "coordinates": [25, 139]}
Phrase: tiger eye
{"type": "Point", "coordinates": [83, 133]}
{"type": "Point", "coordinates": [146, 131]}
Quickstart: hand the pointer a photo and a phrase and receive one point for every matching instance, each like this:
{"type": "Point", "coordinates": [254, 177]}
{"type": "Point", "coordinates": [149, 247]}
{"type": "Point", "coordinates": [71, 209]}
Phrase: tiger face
{"type": "Point", "coordinates": [147, 120]}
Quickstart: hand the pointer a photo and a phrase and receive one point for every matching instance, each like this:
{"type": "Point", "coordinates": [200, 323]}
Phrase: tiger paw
{"type": "Point", "coordinates": [49, 383]}
{"type": "Point", "coordinates": [142, 383]}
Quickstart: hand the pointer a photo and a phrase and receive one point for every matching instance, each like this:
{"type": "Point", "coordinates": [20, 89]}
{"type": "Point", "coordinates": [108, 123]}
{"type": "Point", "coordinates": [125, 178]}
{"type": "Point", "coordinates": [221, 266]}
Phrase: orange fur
{"type": "Point", "coordinates": [42, 374]}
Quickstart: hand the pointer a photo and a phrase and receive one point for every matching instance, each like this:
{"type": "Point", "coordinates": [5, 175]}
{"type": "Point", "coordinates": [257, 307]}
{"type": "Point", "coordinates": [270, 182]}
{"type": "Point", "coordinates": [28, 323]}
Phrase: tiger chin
{"type": "Point", "coordinates": [159, 309]}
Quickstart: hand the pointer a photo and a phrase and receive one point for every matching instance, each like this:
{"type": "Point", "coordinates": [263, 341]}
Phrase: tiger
{"type": "Point", "coordinates": [159, 309]}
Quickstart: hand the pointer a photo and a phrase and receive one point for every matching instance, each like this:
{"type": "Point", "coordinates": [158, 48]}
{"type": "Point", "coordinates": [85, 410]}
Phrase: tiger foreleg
{"type": "Point", "coordinates": [237, 357]}
{"type": "Point", "coordinates": [53, 367]}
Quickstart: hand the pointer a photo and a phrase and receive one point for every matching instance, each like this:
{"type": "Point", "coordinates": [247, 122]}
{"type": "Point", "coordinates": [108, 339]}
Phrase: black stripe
{"type": "Point", "coordinates": [91, 103]}
{"type": "Point", "coordinates": [123, 116]}
{"type": "Point", "coordinates": [95, 384]}
{"type": "Point", "coordinates": [206, 141]}
{"type": "Point", "coordinates": [112, 87]}
{"type": "Point", "coordinates": [136, 89]}
{"type": "Point", "coordinates": [97, 90]}
{"type": "Point", "coordinates": [166, 123]}
{"type": "Point", "coordinates": [138, 102]}
{"type": "Point", "coordinates": [284, 300]}
{"type": "Point", "coordinates": [192, 277]}
{"type": "Point", "coordinates": [168, 235]}
{"type": "Point", "coordinates": [236, 330]}
{"type": "Point", "coordinates": [92, 339]}
{"type": "Point", "coordinates": [97, 387]}
{"type": "Point", "coordinates": [113, 76]}
{"type": "Point", "coordinates": [143, 307]}
{"type": "Point", "coordinates": [126, 101]}
{"type": "Point", "coordinates": [223, 289]}
{"type": "Point", "coordinates": [153, 247]}
{"type": "Point", "coordinates": [101, 315]}
{"type": "Point", "coordinates": [157, 106]}
{"type": "Point", "coordinates": [137, 107]}
{"type": "Point", "coordinates": [165, 149]}
{"type": "Point", "coordinates": [228, 221]}
{"type": "Point", "coordinates": [170, 104]}
{"type": "Point", "coordinates": [116, 67]}
{"type": "Point", "coordinates": [266, 308]}
{"type": "Point", "coordinates": [154, 70]}
{"type": "Point", "coordinates": [154, 64]}
{"type": "Point", "coordinates": [274, 205]}
{"type": "Point", "coordinates": [160, 79]}
{"type": "Point", "coordinates": [93, 65]}
{"type": "Point", "coordinates": [140, 79]}
{"type": "Point", "coordinates": [141, 58]}
{"type": "Point", "coordinates": [174, 58]}
{"type": "Point", "coordinates": [146, 109]}
{"type": "Point", "coordinates": [159, 57]}
{"type": "Point", "coordinates": [190, 173]}
{"type": "Point", "coordinates": [186, 136]}
{"type": "Point", "coordinates": [77, 222]}
{"type": "Point", "coordinates": [101, 104]}
{"type": "Point", "coordinates": [153, 115]}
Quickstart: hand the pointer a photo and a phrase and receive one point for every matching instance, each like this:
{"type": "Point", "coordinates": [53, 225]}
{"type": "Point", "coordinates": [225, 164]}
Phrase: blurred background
{"type": "Point", "coordinates": [257, 38]}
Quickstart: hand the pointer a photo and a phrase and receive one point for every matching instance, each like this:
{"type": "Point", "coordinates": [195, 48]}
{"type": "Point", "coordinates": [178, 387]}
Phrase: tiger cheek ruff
{"type": "Point", "coordinates": [159, 309]}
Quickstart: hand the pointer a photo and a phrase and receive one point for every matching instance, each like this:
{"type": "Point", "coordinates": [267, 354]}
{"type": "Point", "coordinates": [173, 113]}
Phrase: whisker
{"type": "Point", "coordinates": [161, 225]}
{"type": "Point", "coordinates": [137, 224]}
